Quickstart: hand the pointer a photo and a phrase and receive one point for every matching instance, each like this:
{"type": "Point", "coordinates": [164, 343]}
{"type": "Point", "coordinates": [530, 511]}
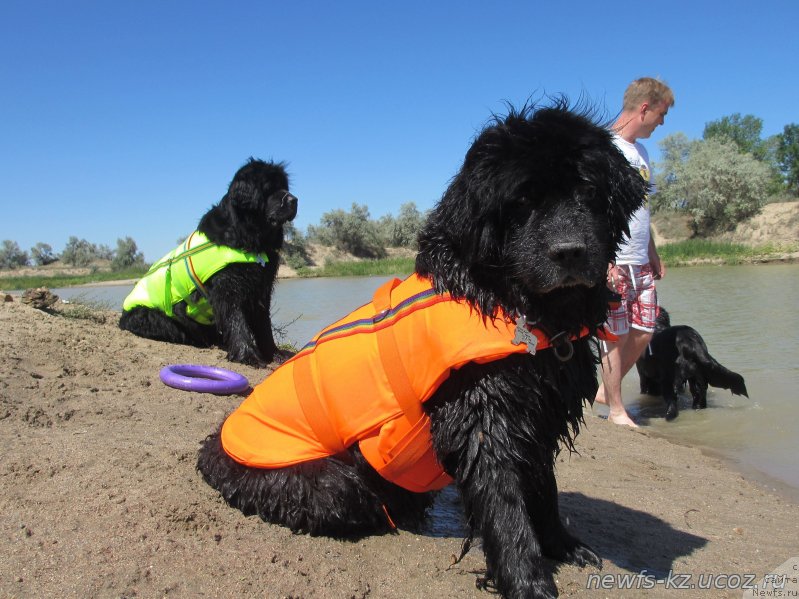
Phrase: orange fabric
{"type": "Point", "coordinates": [363, 379]}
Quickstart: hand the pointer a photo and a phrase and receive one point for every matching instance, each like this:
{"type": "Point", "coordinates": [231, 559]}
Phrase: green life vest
{"type": "Point", "coordinates": [175, 276]}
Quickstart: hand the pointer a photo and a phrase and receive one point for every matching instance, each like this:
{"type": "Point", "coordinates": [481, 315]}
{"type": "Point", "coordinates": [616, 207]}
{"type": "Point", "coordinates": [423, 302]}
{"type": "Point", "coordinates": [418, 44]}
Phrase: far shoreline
{"type": "Point", "coordinates": [286, 272]}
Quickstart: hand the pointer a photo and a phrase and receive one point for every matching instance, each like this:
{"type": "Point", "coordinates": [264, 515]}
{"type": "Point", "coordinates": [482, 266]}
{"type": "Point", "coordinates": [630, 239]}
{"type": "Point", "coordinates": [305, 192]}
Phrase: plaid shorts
{"type": "Point", "coordinates": [638, 308]}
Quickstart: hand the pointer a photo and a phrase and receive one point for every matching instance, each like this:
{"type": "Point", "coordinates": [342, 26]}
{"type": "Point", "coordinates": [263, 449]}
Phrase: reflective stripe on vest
{"type": "Point", "coordinates": [175, 277]}
{"type": "Point", "coordinates": [364, 379]}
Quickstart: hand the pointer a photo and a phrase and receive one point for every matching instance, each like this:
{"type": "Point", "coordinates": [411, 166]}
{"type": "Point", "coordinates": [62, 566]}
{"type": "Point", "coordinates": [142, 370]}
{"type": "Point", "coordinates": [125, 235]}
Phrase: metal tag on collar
{"type": "Point", "coordinates": [562, 346]}
{"type": "Point", "coordinates": [523, 335]}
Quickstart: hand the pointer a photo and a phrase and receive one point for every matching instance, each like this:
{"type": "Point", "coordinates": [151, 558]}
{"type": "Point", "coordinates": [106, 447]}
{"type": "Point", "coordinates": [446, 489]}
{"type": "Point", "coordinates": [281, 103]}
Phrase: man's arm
{"type": "Point", "coordinates": [654, 259]}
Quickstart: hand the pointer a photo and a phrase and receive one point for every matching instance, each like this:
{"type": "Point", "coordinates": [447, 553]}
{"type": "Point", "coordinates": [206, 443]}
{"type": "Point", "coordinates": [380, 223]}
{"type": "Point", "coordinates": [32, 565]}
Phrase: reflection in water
{"type": "Point", "coordinates": [746, 314]}
{"type": "Point", "coordinates": [311, 304]}
{"type": "Point", "coordinates": [446, 516]}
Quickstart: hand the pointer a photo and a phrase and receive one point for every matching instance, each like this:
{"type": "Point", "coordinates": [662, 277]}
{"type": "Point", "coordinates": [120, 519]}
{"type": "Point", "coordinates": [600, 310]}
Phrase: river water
{"type": "Point", "coordinates": [746, 314]}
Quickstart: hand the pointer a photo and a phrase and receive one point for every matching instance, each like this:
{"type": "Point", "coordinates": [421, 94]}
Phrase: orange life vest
{"type": "Point", "coordinates": [363, 379]}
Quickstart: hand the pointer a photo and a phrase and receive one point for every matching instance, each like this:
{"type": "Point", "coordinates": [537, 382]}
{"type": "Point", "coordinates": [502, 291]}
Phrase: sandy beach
{"type": "Point", "coordinates": [100, 497]}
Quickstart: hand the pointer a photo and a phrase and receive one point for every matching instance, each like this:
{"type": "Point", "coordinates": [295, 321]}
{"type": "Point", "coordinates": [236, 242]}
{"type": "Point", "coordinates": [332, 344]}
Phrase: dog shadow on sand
{"type": "Point", "coordinates": [619, 534]}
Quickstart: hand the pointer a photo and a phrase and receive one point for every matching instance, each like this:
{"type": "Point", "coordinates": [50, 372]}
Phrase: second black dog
{"type": "Point", "coordinates": [216, 288]}
{"type": "Point", "coordinates": [678, 355]}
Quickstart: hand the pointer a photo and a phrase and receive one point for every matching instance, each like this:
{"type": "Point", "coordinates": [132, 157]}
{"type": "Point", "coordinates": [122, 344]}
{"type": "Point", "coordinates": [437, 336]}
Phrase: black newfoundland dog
{"type": "Point", "coordinates": [518, 244]}
{"type": "Point", "coordinates": [216, 287]}
{"type": "Point", "coordinates": [677, 355]}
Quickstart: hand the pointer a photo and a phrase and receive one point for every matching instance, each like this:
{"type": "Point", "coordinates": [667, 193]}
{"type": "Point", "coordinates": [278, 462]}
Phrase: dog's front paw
{"type": "Point", "coordinates": [248, 357]}
{"type": "Point", "coordinates": [582, 555]}
{"type": "Point", "coordinates": [539, 588]}
{"type": "Point", "coordinates": [543, 588]}
{"type": "Point", "coordinates": [672, 411]}
{"type": "Point", "coordinates": [281, 355]}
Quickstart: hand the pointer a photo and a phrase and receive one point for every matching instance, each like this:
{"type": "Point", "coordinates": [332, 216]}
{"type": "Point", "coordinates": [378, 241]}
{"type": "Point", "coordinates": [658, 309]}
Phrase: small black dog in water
{"type": "Point", "coordinates": [216, 287]}
{"type": "Point", "coordinates": [477, 364]}
{"type": "Point", "coordinates": [677, 355]}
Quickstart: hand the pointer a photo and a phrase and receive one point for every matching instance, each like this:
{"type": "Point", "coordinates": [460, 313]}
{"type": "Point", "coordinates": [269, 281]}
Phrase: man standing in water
{"type": "Point", "coordinates": [646, 103]}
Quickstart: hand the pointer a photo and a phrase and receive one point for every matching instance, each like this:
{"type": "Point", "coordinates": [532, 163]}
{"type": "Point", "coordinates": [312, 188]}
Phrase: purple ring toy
{"type": "Point", "coordinates": [203, 379]}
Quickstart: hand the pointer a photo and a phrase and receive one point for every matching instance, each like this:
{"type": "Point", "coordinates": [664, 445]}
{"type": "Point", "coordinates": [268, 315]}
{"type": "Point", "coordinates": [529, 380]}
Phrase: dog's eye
{"type": "Point", "coordinates": [523, 201]}
{"type": "Point", "coordinates": [587, 191]}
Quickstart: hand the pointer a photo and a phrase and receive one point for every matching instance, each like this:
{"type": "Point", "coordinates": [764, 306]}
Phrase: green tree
{"type": "Point", "coordinates": [103, 252]}
{"type": "Point", "coordinates": [403, 230]}
{"type": "Point", "coordinates": [745, 132]}
{"type": "Point", "coordinates": [11, 256]}
{"type": "Point", "coordinates": [674, 150]}
{"type": "Point", "coordinates": [127, 255]}
{"type": "Point", "coordinates": [78, 252]}
{"type": "Point", "coordinates": [294, 252]}
{"type": "Point", "coordinates": [42, 254]}
{"type": "Point", "coordinates": [718, 185]}
{"type": "Point", "coordinates": [788, 156]}
{"type": "Point", "coordinates": [351, 232]}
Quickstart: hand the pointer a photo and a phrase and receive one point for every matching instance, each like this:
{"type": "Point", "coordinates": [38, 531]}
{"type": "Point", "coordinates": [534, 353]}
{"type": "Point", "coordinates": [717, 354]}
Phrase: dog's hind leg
{"type": "Point", "coordinates": [698, 386]}
{"type": "Point", "coordinates": [154, 324]}
{"type": "Point", "coordinates": [328, 497]}
{"type": "Point", "coordinates": [689, 372]}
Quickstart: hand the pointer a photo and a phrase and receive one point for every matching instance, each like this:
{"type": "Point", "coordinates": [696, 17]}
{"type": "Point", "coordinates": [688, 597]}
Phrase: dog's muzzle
{"type": "Point", "coordinates": [289, 203]}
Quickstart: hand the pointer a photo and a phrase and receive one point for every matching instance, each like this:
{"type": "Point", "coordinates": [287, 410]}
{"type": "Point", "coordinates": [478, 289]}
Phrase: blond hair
{"type": "Point", "coordinates": [647, 89]}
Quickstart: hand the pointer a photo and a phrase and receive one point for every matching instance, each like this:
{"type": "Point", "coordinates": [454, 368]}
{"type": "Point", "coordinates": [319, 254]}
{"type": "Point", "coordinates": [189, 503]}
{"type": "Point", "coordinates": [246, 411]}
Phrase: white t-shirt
{"type": "Point", "coordinates": [635, 249]}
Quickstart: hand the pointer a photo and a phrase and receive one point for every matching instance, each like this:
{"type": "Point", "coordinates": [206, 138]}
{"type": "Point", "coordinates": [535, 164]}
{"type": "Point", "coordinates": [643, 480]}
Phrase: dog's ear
{"type": "Point", "coordinates": [628, 191]}
{"type": "Point", "coordinates": [242, 192]}
{"type": "Point", "coordinates": [663, 317]}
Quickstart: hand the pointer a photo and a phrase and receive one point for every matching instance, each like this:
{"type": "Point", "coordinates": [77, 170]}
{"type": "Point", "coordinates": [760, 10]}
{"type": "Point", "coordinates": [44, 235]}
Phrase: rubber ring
{"type": "Point", "coordinates": [203, 379]}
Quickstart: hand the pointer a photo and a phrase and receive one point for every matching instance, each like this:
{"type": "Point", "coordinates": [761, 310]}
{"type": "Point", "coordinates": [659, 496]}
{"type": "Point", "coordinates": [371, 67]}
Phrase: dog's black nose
{"type": "Point", "coordinates": [567, 253]}
{"type": "Point", "coordinates": [288, 200]}
{"type": "Point", "coordinates": [288, 205]}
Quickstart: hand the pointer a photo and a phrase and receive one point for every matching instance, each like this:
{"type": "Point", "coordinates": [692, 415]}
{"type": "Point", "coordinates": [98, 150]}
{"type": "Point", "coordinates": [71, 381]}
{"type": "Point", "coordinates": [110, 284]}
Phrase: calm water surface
{"type": "Point", "coordinates": [747, 315]}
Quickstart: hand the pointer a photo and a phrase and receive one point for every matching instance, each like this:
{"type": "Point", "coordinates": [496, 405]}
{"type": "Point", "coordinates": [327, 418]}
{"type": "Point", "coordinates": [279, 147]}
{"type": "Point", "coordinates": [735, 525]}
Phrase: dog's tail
{"type": "Point", "coordinates": [719, 376]}
{"type": "Point", "coordinates": [714, 373]}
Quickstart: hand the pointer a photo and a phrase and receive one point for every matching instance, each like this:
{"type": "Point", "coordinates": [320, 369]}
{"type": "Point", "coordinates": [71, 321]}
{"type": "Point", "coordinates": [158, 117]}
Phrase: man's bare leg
{"type": "Point", "coordinates": [616, 363]}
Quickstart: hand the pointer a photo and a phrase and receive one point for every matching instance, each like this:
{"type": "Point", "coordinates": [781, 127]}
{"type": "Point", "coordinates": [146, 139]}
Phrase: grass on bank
{"type": "Point", "coordinates": [693, 251]}
{"type": "Point", "coordinates": [363, 268]}
{"type": "Point", "coordinates": [51, 282]}
{"type": "Point", "coordinates": [83, 308]}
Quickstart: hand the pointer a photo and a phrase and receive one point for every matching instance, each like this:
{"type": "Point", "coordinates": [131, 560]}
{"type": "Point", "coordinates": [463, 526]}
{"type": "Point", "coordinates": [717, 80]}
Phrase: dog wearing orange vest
{"type": "Point", "coordinates": [472, 372]}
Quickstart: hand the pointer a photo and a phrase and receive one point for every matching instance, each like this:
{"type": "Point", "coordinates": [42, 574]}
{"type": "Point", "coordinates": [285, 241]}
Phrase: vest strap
{"type": "Point", "coordinates": [391, 360]}
{"type": "Point", "coordinates": [312, 407]}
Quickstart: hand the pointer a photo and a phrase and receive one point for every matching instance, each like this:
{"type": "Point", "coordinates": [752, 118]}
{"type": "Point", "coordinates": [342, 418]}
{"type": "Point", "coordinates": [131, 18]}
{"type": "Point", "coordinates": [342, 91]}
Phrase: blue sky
{"type": "Point", "coordinates": [129, 118]}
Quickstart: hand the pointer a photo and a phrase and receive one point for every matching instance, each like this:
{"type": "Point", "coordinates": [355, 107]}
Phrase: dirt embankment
{"type": "Point", "coordinates": [776, 224]}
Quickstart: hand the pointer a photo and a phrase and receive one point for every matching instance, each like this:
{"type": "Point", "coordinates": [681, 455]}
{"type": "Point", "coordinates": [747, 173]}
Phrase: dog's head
{"type": "Point", "coordinates": [663, 320]}
{"type": "Point", "coordinates": [252, 213]}
{"type": "Point", "coordinates": [533, 217]}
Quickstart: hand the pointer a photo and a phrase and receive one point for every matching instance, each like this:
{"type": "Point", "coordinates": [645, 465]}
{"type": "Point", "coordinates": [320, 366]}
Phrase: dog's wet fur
{"type": "Point", "coordinates": [528, 225]}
